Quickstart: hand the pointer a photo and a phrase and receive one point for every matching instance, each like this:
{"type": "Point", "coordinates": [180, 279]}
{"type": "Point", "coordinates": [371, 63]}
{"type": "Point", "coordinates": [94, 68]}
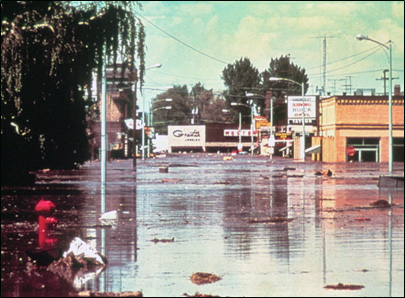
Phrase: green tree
{"type": "Point", "coordinates": [201, 100]}
{"type": "Point", "coordinates": [49, 50]}
{"type": "Point", "coordinates": [240, 78]}
{"type": "Point", "coordinates": [283, 68]}
{"type": "Point", "coordinates": [217, 111]}
{"type": "Point", "coordinates": [180, 112]}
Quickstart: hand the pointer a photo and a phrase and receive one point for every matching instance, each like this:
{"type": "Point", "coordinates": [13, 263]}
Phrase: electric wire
{"type": "Point", "coordinates": [178, 40]}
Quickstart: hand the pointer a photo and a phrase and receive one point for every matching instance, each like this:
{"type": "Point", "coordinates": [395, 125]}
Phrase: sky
{"type": "Point", "coordinates": [195, 40]}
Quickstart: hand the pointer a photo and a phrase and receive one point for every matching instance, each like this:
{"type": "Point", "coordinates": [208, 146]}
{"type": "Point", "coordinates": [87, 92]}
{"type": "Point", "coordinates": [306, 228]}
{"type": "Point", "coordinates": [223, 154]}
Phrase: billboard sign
{"type": "Point", "coordinates": [186, 136]}
{"type": "Point", "coordinates": [296, 106]}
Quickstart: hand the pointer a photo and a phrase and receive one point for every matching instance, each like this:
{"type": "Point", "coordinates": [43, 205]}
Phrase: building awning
{"type": "Point", "coordinates": [313, 149]}
{"type": "Point", "coordinates": [284, 148]}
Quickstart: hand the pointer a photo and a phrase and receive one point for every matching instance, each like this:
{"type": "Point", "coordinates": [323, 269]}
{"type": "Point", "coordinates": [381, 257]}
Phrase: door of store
{"type": "Point", "coordinates": [367, 149]}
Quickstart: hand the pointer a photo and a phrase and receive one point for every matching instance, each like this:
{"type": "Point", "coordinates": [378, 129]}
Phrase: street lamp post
{"type": "Point", "coordinates": [271, 136]}
{"type": "Point", "coordinates": [240, 124]}
{"type": "Point", "coordinates": [390, 141]}
{"type": "Point", "coordinates": [302, 147]}
{"type": "Point", "coordinates": [150, 118]}
{"type": "Point", "coordinates": [143, 114]}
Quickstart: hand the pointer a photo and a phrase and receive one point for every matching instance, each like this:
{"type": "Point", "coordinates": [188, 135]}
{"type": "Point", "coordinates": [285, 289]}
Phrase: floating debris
{"type": "Point", "coordinates": [341, 286]}
{"type": "Point", "coordinates": [171, 180]}
{"type": "Point", "coordinates": [362, 219]}
{"type": "Point", "coordinates": [155, 240]}
{"type": "Point", "coordinates": [361, 270]}
{"type": "Point", "coordinates": [380, 204]}
{"type": "Point", "coordinates": [271, 220]}
{"type": "Point", "coordinates": [200, 278]}
{"type": "Point", "coordinates": [289, 169]}
{"type": "Point", "coordinates": [326, 173]}
{"type": "Point", "coordinates": [197, 294]}
{"type": "Point", "coordinates": [163, 170]}
{"type": "Point", "coordinates": [109, 294]}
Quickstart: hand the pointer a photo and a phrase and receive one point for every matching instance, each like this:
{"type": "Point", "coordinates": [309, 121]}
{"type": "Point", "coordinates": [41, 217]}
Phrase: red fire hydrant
{"type": "Point", "coordinates": [46, 224]}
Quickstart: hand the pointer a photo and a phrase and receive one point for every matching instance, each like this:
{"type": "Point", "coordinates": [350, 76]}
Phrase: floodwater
{"type": "Point", "coordinates": [210, 215]}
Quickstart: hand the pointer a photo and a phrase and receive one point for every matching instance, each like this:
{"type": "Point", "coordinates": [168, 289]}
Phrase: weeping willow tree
{"type": "Point", "coordinates": [49, 50]}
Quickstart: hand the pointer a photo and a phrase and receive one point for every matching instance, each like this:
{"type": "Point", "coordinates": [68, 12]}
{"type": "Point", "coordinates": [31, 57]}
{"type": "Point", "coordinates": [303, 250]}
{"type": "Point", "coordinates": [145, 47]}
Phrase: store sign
{"type": "Point", "coordinates": [130, 123]}
{"type": "Point", "coordinates": [186, 136]}
{"type": "Point", "coordinates": [262, 123]}
{"type": "Point", "coordinates": [283, 135]}
{"type": "Point", "coordinates": [235, 132]}
{"type": "Point", "coordinates": [297, 105]}
{"type": "Point", "coordinates": [150, 132]}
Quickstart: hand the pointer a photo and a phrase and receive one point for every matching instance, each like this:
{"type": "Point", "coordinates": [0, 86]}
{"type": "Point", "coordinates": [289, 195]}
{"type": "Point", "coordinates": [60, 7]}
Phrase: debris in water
{"type": "Point", "coordinates": [341, 286]}
{"type": "Point", "coordinates": [109, 218]}
{"type": "Point", "coordinates": [362, 219]}
{"type": "Point", "coordinates": [80, 252]}
{"type": "Point", "coordinates": [109, 294]}
{"type": "Point", "coordinates": [361, 270]}
{"type": "Point", "coordinates": [324, 173]}
{"type": "Point", "coordinates": [155, 240]}
{"type": "Point", "coordinates": [197, 294]}
{"type": "Point", "coordinates": [272, 220]}
{"type": "Point", "coordinates": [200, 278]}
{"type": "Point", "coordinates": [381, 204]}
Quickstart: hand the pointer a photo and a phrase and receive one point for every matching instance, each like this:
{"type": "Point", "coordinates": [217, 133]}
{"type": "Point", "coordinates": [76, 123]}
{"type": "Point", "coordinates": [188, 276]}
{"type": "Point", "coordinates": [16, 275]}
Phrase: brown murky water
{"type": "Point", "coordinates": [267, 229]}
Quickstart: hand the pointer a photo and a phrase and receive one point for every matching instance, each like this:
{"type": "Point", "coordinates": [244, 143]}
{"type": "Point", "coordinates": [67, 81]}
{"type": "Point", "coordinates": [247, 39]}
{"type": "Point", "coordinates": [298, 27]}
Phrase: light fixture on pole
{"type": "Point", "coordinates": [240, 125]}
{"type": "Point", "coordinates": [390, 141]}
{"type": "Point", "coordinates": [302, 147]}
{"type": "Point", "coordinates": [272, 141]}
{"type": "Point", "coordinates": [158, 65]}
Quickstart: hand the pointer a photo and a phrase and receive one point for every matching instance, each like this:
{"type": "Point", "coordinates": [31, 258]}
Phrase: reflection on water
{"type": "Point", "coordinates": [334, 235]}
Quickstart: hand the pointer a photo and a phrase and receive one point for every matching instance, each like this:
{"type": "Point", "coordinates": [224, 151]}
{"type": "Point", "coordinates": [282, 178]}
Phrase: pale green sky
{"type": "Point", "coordinates": [261, 30]}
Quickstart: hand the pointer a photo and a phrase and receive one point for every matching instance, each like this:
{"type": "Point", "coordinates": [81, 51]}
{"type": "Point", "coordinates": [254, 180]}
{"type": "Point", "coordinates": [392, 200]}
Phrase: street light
{"type": "Point", "coordinates": [272, 79]}
{"type": "Point", "coordinates": [271, 136]}
{"type": "Point", "coordinates": [158, 65]}
{"type": "Point", "coordinates": [240, 125]}
{"type": "Point", "coordinates": [390, 142]}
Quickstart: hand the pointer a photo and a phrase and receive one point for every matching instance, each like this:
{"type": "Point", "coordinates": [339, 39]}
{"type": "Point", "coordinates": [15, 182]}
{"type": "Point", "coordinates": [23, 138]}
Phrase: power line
{"type": "Point", "coordinates": [345, 58]}
{"type": "Point", "coordinates": [178, 40]}
{"type": "Point", "coordinates": [350, 64]}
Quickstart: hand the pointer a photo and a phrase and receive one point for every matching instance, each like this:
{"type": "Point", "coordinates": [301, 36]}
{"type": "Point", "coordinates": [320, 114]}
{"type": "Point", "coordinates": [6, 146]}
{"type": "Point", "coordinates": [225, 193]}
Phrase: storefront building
{"type": "Point", "coordinates": [355, 128]}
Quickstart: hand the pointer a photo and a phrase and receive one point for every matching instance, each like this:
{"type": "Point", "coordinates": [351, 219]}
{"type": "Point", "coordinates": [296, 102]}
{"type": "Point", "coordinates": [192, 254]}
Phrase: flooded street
{"type": "Point", "coordinates": [267, 228]}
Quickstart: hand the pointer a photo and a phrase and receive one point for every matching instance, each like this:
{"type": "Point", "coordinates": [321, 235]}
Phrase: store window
{"type": "Point", "coordinates": [366, 149]}
{"type": "Point", "coordinates": [398, 149]}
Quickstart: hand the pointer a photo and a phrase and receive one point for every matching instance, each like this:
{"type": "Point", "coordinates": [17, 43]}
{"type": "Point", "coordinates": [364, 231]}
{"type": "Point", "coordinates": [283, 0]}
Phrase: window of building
{"type": "Point", "coordinates": [398, 149]}
{"type": "Point", "coordinates": [367, 149]}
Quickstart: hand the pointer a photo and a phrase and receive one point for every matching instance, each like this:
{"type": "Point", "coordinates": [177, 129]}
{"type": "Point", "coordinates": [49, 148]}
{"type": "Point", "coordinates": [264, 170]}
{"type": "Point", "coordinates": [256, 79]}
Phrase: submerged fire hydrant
{"type": "Point", "coordinates": [46, 224]}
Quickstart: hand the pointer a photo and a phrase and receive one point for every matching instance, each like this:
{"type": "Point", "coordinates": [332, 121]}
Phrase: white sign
{"type": "Point", "coordinates": [298, 104]}
{"type": "Point", "coordinates": [186, 136]}
{"type": "Point", "coordinates": [130, 123]}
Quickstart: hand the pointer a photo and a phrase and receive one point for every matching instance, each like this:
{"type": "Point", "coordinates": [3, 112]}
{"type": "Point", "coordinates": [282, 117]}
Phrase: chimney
{"type": "Point", "coordinates": [397, 90]}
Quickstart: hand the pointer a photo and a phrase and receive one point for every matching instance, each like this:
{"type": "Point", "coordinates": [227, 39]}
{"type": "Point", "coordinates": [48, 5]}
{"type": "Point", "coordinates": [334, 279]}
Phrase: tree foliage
{"type": "Point", "coordinates": [240, 78]}
{"type": "Point", "coordinates": [180, 112]}
{"type": "Point", "coordinates": [283, 68]}
{"type": "Point", "coordinates": [49, 50]}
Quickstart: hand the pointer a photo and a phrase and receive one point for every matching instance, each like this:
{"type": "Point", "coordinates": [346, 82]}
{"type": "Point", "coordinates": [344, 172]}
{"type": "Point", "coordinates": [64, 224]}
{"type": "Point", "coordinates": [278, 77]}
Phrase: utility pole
{"type": "Point", "coordinates": [334, 85]}
{"type": "Point", "coordinates": [385, 79]}
{"type": "Point", "coordinates": [323, 89]}
{"type": "Point", "coordinates": [348, 87]}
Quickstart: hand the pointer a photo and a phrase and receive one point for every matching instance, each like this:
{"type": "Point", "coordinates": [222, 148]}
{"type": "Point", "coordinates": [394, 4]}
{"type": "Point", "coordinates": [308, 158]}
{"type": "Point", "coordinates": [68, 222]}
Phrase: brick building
{"type": "Point", "coordinates": [360, 122]}
{"type": "Point", "coordinates": [119, 106]}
